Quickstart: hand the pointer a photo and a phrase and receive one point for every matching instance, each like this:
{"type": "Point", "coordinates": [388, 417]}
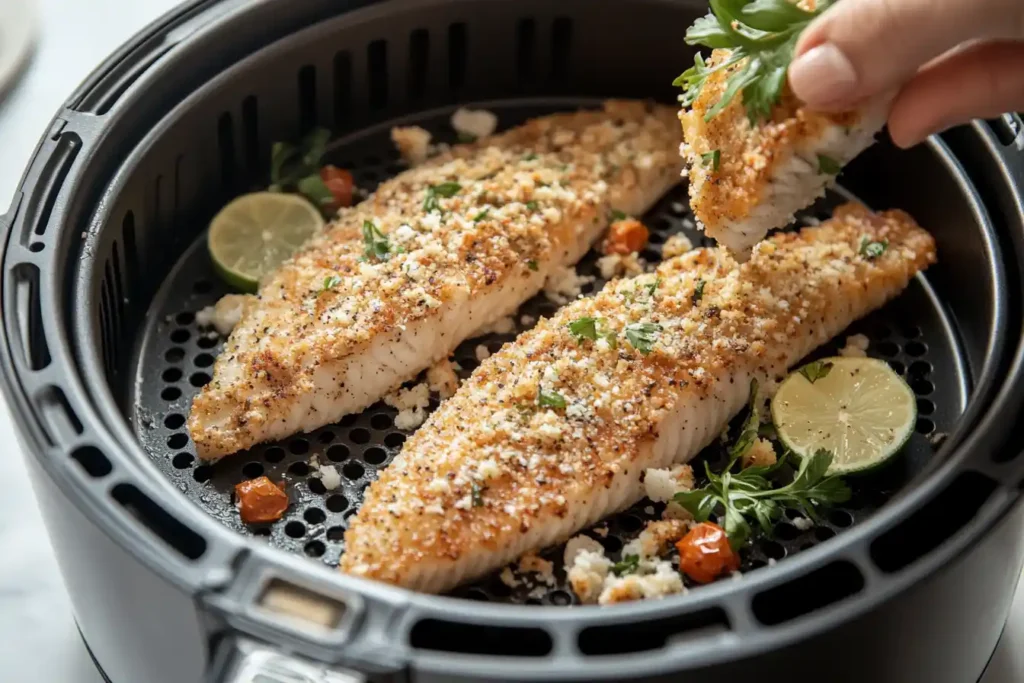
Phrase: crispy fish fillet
{"type": "Point", "coordinates": [768, 171]}
{"type": "Point", "coordinates": [436, 253]}
{"type": "Point", "coordinates": [553, 432]}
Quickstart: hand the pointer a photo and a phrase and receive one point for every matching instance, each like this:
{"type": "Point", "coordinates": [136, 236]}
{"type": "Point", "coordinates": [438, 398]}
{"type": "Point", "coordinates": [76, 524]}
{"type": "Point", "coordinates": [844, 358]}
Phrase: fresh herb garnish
{"type": "Point", "coordinates": [376, 244]}
{"type": "Point", "coordinates": [828, 165]}
{"type": "Point", "coordinates": [618, 215]}
{"type": "Point", "coordinates": [748, 495]}
{"type": "Point", "coordinates": [550, 399]}
{"type": "Point", "coordinates": [630, 565]}
{"type": "Point", "coordinates": [531, 205]}
{"type": "Point", "coordinates": [330, 282]}
{"type": "Point", "coordinates": [872, 250]}
{"type": "Point", "coordinates": [589, 328]}
{"type": "Point", "coordinates": [530, 157]}
{"type": "Point", "coordinates": [643, 336]}
{"type": "Point", "coordinates": [466, 138]}
{"type": "Point", "coordinates": [819, 369]}
{"type": "Point", "coordinates": [698, 292]}
{"type": "Point", "coordinates": [476, 495]}
{"type": "Point", "coordinates": [532, 264]}
{"type": "Point", "coordinates": [652, 286]}
{"type": "Point", "coordinates": [749, 430]}
{"type": "Point", "coordinates": [297, 168]}
{"type": "Point", "coordinates": [480, 216]}
{"type": "Point", "coordinates": [712, 158]}
{"type": "Point", "coordinates": [446, 190]}
{"type": "Point", "coordinates": [761, 36]}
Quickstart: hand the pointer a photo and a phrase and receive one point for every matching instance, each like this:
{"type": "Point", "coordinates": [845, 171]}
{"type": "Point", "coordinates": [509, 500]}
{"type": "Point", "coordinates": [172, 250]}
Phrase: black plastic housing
{"type": "Point", "coordinates": [165, 131]}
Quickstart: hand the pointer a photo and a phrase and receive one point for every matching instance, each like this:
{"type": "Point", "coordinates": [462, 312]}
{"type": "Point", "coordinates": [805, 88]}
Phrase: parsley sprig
{"type": "Point", "coordinates": [434, 192]}
{"type": "Point", "coordinates": [761, 36]}
{"type": "Point", "coordinates": [749, 495]}
{"type": "Point", "coordinates": [592, 329]}
{"type": "Point", "coordinates": [297, 167]}
{"type": "Point", "coordinates": [376, 245]}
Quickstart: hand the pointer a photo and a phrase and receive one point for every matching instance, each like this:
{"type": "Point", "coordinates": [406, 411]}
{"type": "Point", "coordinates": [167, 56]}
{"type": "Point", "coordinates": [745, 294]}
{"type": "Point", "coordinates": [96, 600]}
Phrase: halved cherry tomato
{"type": "Point", "coordinates": [260, 500]}
{"type": "Point", "coordinates": [705, 553]}
{"type": "Point", "coordinates": [626, 237]}
{"type": "Point", "coordinates": [340, 183]}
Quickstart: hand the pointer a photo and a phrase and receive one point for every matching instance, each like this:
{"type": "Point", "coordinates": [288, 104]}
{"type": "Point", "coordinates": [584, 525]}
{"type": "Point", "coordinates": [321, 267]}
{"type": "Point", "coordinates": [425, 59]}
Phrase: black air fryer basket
{"type": "Point", "coordinates": [105, 267]}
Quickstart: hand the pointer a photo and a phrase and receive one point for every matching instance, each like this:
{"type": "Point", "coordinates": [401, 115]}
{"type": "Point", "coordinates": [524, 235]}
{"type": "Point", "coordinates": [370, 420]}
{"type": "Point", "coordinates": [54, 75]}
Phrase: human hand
{"type": "Point", "coordinates": [951, 61]}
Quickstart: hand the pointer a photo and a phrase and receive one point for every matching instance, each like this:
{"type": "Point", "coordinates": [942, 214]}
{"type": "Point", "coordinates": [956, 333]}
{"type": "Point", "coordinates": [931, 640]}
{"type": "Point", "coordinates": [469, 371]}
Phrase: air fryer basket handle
{"type": "Point", "coordinates": [245, 661]}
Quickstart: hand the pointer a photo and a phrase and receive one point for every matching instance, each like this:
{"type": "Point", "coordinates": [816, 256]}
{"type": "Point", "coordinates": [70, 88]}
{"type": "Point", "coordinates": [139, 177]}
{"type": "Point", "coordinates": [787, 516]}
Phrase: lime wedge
{"type": "Point", "coordinates": [857, 408]}
{"type": "Point", "coordinates": [256, 233]}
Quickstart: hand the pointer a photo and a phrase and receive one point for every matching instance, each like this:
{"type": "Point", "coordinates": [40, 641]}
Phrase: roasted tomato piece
{"type": "Point", "coordinates": [340, 183]}
{"type": "Point", "coordinates": [260, 500]}
{"type": "Point", "coordinates": [626, 237]}
{"type": "Point", "coordinates": [705, 553]}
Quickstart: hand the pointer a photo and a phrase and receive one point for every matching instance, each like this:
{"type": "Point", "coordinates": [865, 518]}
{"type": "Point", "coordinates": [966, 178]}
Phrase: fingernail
{"type": "Point", "coordinates": [823, 75]}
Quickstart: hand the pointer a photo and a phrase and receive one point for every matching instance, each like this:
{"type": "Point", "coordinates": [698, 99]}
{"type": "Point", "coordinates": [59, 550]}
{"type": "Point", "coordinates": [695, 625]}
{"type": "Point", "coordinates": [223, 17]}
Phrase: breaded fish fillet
{"type": "Point", "coordinates": [554, 431]}
{"type": "Point", "coordinates": [747, 179]}
{"type": "Point", "coordinates": [436, 253]}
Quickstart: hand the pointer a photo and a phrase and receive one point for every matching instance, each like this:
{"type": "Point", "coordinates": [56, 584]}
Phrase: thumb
{"type": "Point", "coordinates": [861, 47]}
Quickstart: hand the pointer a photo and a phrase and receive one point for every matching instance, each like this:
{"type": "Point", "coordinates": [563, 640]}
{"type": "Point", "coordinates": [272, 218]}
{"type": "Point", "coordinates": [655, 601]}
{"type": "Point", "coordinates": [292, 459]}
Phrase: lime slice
{"type": "Point", "coordinates": [859, 409]}
{"type": "Point", "coordinates": [257, 232]}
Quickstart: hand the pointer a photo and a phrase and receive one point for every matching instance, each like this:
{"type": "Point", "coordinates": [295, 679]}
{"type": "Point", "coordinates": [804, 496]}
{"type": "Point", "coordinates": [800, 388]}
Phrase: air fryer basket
{"type": "Point", "coordinates": [106, 267]}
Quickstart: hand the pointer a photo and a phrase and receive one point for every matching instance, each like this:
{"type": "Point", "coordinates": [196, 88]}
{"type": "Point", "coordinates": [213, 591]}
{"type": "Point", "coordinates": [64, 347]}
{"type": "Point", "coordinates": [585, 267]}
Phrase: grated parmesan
{"type": "Point", "coordinates": [676, 245]}
{"type": "Point", "coordinates": [223, 315]}
{"type": "Point", "coordinates": [442, 378]}
{"type": "Point", "coordinates": [661, 485]}
{"type": "Point", "coordinates": [476, 123]}
{"type": "Point", "coordinates": [413, 143]}
{"type": "Point", "coordinates": [565, 284]}
{"type": "Point", "coordinates": [856, 347]}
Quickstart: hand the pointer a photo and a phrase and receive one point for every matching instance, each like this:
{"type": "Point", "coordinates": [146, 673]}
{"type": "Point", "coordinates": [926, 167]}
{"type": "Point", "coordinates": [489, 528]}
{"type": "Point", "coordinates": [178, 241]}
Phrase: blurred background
{"type": "Point", "coordinates": [47, 47]}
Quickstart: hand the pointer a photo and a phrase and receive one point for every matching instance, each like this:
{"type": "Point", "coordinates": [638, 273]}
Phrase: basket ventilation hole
{"type": "Point", "coordinates": [174, 421]}
{"type": "Point", "coordinates": [479, 639]}
{"type": "Point", "coordinates": [932, 524]}
{"type": "Point", "coordinates": [314, 516]}
{"type": "Point", "coordinates": [377, 62]}
{"type": "Point", "coordinates": [182, 461]}
{"type": "Point", "coordinates": [252, 470]}
{"type": "Point", "coordinates": [642, 636]}
{"type": "Point", "coordinates": [561, 49]}
{"type": "Point", "coordinates": [29, 315]}
{"type": "Point", "coordinates": [820, 588]}
{"type": "Point", "coordinates": [36, 247]}
{"type": "Point", "coordinates": [337, 452]}
{"type": "Point", "coordinates": [274, 454]}
{"type": "Point", "coordinates": [457, 49]}
{"type": "Point", "coordinates": [226, 145]}
{"type": "Point", "coordinates": [419, 59]}
{"type": "Point", "coordinates": [337, 503]}
{"type": "Point", "coordinates": [307, 98]}
{"type": "Point", "coordinates": [315, 549]}
{"type": "Point", "coordinates": [342, 90]}
{"type": "Point", "coordinates": [526, 43]}
{"type": "Point", "coordinates": [251, 131]}
{"type": "Point", "coordinates": [178, 536]}
{"type": "Point", "coordinates": [59, 420]}
{"type": "Point", "coordinates": [92, 461]}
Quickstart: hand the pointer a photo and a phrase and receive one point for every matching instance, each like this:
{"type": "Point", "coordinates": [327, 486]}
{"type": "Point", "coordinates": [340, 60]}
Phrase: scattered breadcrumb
{"type": "Point", "coordinates": [329, 476]}
{"type": "Point", "coordinates": [649, 510]}
{"type": "Point", "coordinates": [760, 454]}
{"type": "Point", "coordinates": [654, 579]}
{"type": "Point", "coordinates": [442, 379]}
{"type": "Point", "coordinates": [413, 143]}
{"type": "Point", "coordinates": [508, 578]}
{"type": "Point", "coordinates": [587, 575]}
{"type": "Point", "coordinates": [656, 538]}
{"type": "Point", "coordinates": [545, 571]}
{"type": "Point", "coordinates": [527, 320]}
{"type": "Point", "coordinates": [856, 347]}
{"type": "Point", "coordinates": [565, 284]}
{"type": "Point", "coordinates": [601, 531]}
{"type": "Point", "coordinates": [504, 325]}
{"type": "Point", "coordinates": [474, 123]}
{"type": "Point", "coordinates": [802, 523]}
{"type": "Point", "coordinates": [412, 405]}
{"type": "Point", "coordinates": [676, 245]}
{"type": "Point", "coordinates": [661, 485]}
{"type": "Point", "coordinates": [482, 353]}
{"type": "Point", "coordinates": [579, 544]}
{"type": "Point", "coordinates": [618, 265]}
{"type": "Point", "coordinates": [225, 314]}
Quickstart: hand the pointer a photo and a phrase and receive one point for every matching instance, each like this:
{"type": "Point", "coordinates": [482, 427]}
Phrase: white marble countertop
{"type": "Point", "coordinates": [38, 640]}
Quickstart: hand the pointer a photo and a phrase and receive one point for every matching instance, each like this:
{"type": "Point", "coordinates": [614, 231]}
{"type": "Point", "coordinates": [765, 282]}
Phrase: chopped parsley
{"type": "Point", "coordinates": [712, 159]}
{"type": "Point", "coordinates": [466, 138]}
{"type": "Point", "coordinates": [872, 250]}
{"type": "Point", "coordinates": [476, 495]}
{"type": "Point", "coordinates": [329, 283]}
{"type": "Point", "coordinates": [550, 399]}
{"type": "Point", "coordinates": [643, 336]}
{"type": "Point", "coordinates": [480, 216]}
{"type": "Point", "coordinates": [376, 243]}
{"type": "Point", "coordinates": [589, 328]}
{"type": "Point", "coordinates": [630, 565]}
{"type": "Point", "coordinates": [532, 205]}
{"type": "Point", "coordinates": [819, 369]}
{"type": "Point", "coordinates": [532, 264]}
{"type": "Point", "coordinates": [530, 157]}
{"type": "Point", "coordinates": [652, 286]}
{"type": "Point", "coordinates": [444, 190]}
{"type": "Point", "coordinates": [618, 215]}
{"type": "Point", "coordinates": [698, 292]}
{"type": "Point", "coordinates": [828, 165]}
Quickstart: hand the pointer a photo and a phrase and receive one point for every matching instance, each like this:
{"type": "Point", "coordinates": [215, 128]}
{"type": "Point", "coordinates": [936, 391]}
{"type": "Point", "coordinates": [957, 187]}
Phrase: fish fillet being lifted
{"type": "Point", "coordinates": [438, 252]}
{"type": "Point", "coordinates": [554, 431]}
{"type": "Point", "coordinates": [747, 179]}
